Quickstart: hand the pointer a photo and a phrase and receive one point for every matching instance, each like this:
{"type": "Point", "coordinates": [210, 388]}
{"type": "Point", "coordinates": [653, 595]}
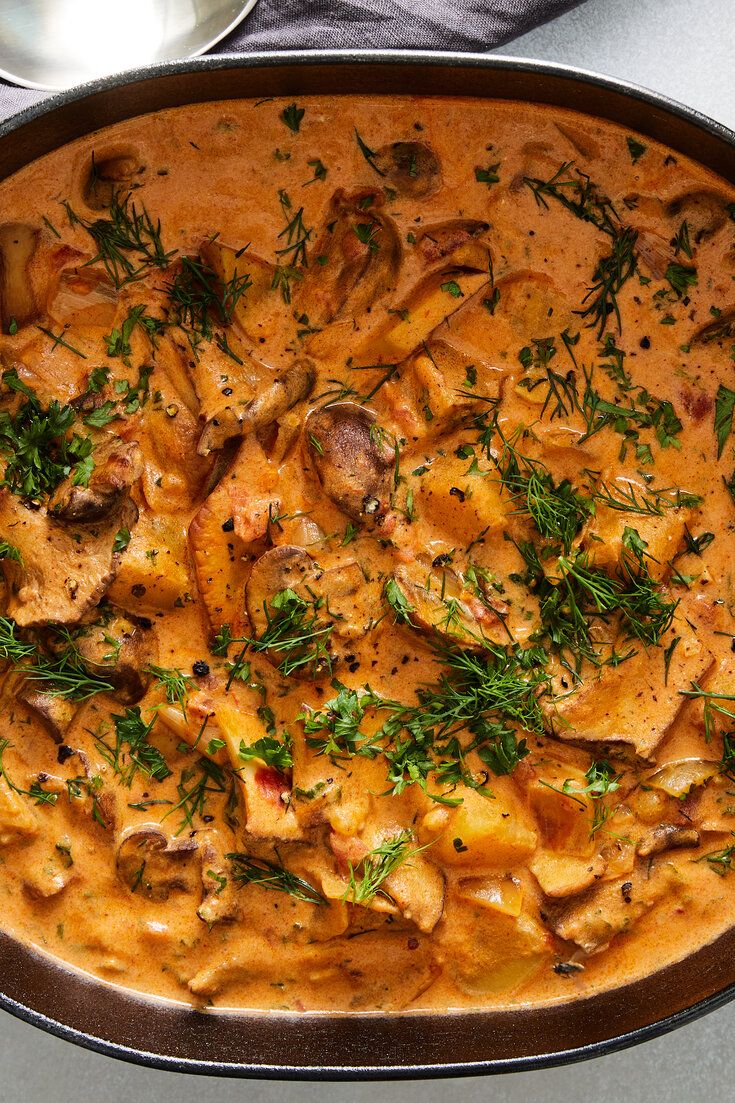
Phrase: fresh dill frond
{"type": "Point", "coordinates": [128, 242]}
{"type": "Point", "coordinates": [132, 750]}
{"type": "Point", "coordinates": [201, 300]}
{"type": "Point", "coordinates": [295, 232]}
{"type": "Point", "coordinates": [248, 870]}
{"type": "Point", "coordinates": [60, 675]}
{"type": "Point", "coordinates": [36, 792]}
{"type": "Point", "coordinates": [176, 685]}
{"type": "Point", "coordinates": [367, 877]}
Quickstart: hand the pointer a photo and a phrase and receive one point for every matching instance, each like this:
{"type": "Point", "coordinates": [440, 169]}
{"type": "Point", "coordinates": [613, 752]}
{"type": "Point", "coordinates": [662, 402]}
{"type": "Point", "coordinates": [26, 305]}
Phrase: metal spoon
{"type": "Point", "coordinates": [53, 44]}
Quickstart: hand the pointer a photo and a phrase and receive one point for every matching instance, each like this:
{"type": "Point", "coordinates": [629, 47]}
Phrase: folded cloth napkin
{"type": "Point", "coordinates": [364, 24]}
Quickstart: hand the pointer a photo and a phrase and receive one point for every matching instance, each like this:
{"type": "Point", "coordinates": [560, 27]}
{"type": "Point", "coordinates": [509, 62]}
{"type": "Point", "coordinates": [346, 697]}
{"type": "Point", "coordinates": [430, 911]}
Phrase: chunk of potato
{"type": "Point", "coordinates": [563, 874]}
{"type": "Point", "coordinates": [17, 820]}
{"type": "Point", "coordinates": [500, 894]}
{"type": "Point", "coordinates": [154, 569]}
{"type": "Point", "coordinates": [433, 301]}
{"type": "Point", "coordinates": [487, 952]}
{"type": "Point", "coordinates": [564, 822]}
{"type": "Point", "coordinates": [259, 310]}
{"type": "Point", "coordinates": [457, 503]}
{"type": "Point", "coordinates": [490, 832]}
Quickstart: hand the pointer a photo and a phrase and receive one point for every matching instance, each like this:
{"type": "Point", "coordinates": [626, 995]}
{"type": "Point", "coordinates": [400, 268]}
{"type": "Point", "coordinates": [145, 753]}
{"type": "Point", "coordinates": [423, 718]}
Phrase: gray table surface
{"type": "Point", "coordinates": [686, 49]}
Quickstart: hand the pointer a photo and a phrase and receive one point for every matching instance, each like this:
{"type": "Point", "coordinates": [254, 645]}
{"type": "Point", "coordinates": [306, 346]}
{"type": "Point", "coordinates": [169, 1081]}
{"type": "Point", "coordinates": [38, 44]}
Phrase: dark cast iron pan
{"type": "Point", "coordinates": [281, 1045]}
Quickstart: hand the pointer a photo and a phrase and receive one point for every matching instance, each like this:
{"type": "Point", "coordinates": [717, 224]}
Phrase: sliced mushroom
{"type": "Point", "coordinates": [150, 863]}
{"type": "Point", "coordinates": [721, 330]}
{"type": "Point", "coordinates": [354, 261]}
{"type": "Point", "coordinates": [705, 212]}
{"type": "Point", "coordinates": [17, 302]}
{"type": "Point", "coordinates": [412, 168]}
{"type": "Point", "coordinates": [117, 466]}
{"type": "Point", "coordinates": [108, 176]}
{"type": "Point", "coordinates": [64, 570]}
{"type": "Point", "coordinates": [595, 917]}
{"type": "Point", "coordinates": [285, 567]}
{"type": "Point", "coordinates": [352, 458]}
{"type": "Point", "coordinates": [272, 401]}
{"type": "Point", "coordinates": [634, 703]}
{"type": "Point", "coordinates": [667, 836]}
{"type": "Point", "coordinates": [119, 650]}
{"type": "Point", "coordinates": [55, 713]}
{"type": "Point", "coordinates": [220, 898]}
{"type": "Point", "coordinates": [457, 239]}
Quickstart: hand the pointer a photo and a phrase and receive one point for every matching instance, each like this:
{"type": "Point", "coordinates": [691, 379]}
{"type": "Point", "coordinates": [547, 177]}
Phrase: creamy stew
{"type": "Point", "coordinates": [367, 523]}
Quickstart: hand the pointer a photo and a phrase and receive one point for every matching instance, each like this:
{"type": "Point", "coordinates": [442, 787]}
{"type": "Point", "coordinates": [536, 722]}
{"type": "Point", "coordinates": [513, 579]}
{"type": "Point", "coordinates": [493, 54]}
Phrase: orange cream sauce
{"type": "Point", "coordinates": [343, 429]}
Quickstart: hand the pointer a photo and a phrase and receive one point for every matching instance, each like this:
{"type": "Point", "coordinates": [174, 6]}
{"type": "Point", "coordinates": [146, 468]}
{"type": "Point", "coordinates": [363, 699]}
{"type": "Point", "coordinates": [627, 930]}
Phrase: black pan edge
{"type": "Point", "coordinates": [352, 1047]}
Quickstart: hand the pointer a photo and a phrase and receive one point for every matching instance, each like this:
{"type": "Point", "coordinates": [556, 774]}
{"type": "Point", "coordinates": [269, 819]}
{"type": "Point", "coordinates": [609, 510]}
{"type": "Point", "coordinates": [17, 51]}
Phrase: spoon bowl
{"type": "Point", "coordinates": [54, 44]}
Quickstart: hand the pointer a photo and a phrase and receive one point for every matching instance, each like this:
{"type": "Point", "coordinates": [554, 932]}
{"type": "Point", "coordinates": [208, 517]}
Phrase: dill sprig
{"type": "Point", "coordinates": [369, 154]}
{"type": "Point", "coordinates": [712, 707]}
{"type": "Point", "coordinates": [612, 272]}
{"type": "Point", "coordinates": [201, 300]}
{"type": "Point", "coordinates": [248, 870]}
{"type": "Point", "coordinates": [175, 684]}
{"type": "Point", "coordinates": [128, 242]}
{"type": "Point", "coordinates": [36, 791]}
{"type": "Point", "coordinates": [118, 340]}
{"type": "Point", "coordinates": [479, 696]}
{"type": "Point", "coordinates": [720, 861]}
{"type": "Point", "coordinates": [63, 675]}
{"type": "Point", "coordinates": [196, 784]}
{"type": "Point", "coordinates": [295, 232]}
{"type": "Point", "coordinates": [369, 874]}
{"type": "Point", "coordinates": [578, 194]}
{"type": "Point", "coordinates": [293, 630]}
{"type": "Point", "coordinates": [557, 511]}
{"type": "Point", "coordinates": [132, 752]}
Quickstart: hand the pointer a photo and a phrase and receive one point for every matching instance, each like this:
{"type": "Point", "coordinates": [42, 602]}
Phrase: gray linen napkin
{"type": "Point", "coordinates": [365, 24]}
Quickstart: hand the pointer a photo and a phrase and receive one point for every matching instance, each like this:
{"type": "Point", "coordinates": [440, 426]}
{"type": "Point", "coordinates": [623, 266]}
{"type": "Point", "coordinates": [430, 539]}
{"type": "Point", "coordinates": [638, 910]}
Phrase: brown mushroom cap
{"type": "Point", "coordinates": [352, 459]}
{"type": "Point", "coordinates": [108, 176]}
{"type": "Point", "coordinates": [339, 597]}
{"type": "Point", "coordinates": [154, 865]}
{"type": "Point", "coordinates": [119, 650]}
{"type": "Point", "coordinates": [64, 570]}
{"type": "Point", "coordinates": [412, 168]}
{"type": "Point", "coordinates": [704, 211]}
{"type": "Point", "coordinates": [55, 713]}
